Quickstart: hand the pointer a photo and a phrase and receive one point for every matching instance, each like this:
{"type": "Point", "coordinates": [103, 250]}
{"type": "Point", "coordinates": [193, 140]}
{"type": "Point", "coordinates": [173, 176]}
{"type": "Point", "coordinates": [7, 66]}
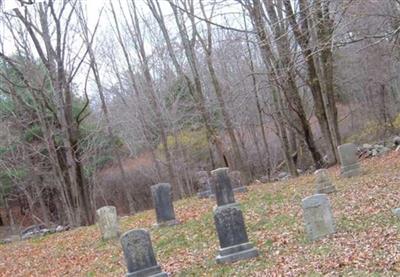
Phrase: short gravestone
{"type": "Point", "coordinates": [232, 235]}
{"type": "Point", "coordinates": [139, 255]}
{"type": "Point", "coordinates": [163, 204]}
{"type": "Point", "coordinates": [349, 161]}
{"type": "Point", "coordinates": [323, 183]}
{"type": "Point", "coordinates": [318, 216]}
{"type": "Point", "coordinates": [107, 221]}
{"type": "Point", "coordinates": [237, 181]}
{"type": "Point", "coordinates": [204, 183]}
{"type": "Point", "coordinates": [222, 186]}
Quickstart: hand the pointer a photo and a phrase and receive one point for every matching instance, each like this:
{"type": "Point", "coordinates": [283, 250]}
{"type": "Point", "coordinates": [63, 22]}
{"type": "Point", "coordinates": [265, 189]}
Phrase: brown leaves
{"type": "Point", "coordinates": [367, 239]}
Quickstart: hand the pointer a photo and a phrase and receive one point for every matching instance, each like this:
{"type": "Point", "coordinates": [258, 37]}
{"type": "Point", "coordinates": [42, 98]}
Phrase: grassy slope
{"type": "Point", "coordinates": [367, 241]}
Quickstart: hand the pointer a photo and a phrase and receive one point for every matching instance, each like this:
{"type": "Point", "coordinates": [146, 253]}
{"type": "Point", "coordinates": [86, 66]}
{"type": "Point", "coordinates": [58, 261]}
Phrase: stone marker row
{"type": "Point", "coordinates": [228, 217]}
{"type": "Point", "coordinates": [318, 217]}
{"type": "Point", "coordinates": [107, 219]}
{"type": "Point", "coordinates": [234, 244]}
{"type": "Point", "coordinates": [229, 222]}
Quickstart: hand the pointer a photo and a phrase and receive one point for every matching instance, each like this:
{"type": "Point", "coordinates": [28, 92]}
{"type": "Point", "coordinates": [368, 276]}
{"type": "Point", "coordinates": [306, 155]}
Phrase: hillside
{"type": "Point", "coordinates": [367, 242]}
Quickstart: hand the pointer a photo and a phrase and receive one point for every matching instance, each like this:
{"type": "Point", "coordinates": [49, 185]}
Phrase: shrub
{"type": "Point", "coordinates": [370, 132]}
{"type": "Point", "coordinates": [32, 133]}
{"type": "Point", "coordinates": [194, 141]}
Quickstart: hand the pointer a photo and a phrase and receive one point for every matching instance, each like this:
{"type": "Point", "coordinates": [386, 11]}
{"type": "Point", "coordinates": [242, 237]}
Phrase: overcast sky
{"type": "Point", "coordinates": [227, 10]}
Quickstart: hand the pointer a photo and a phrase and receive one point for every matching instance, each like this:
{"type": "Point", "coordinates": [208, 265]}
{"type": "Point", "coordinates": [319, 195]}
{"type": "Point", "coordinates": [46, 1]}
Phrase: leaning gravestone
{"type": "Point", "coordinates": [222, 186]}
{"type": "Point", "coordinates": [107, 221]}
{"type": "Point", "coordinates": [323, 183]}
{"type": "Point", "coordinates": [139, 255]}
{"type": "Point", "coordinates": [232, 235]}
{"type": "Point", "coordinates": [348, 159]}
{"type": "Point", "coordinates": [204, 183]}
{"type": "Point", "coordinates": [318, 216]}
{"type": "Point", "coordinates": [162, 199]}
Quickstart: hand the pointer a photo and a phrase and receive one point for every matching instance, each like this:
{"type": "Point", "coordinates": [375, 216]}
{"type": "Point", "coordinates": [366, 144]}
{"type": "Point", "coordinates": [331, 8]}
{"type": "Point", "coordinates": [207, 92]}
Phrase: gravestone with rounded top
{"type": "Point", "coordinates": [323, 183]}
{"type": "Point", "coordinates": [204, 183]}
{"type": "Point", "coordinates": [232, 235]}
{"type": "Point", "coordinates": [139, 255]}
{"type": "Point", "coordinates": [163, 204]}
{"type": "Point", "coordinates": [107, 220]}
{"type": "Point", "coordinates": [349, 160]}
{"type": "Point", "coordinates": [222, 186]}
{"type": "Point", "coordinates": [318, 216]}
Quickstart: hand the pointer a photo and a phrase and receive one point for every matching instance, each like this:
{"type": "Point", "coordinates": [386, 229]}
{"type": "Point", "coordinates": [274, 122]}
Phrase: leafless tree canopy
{"type": "Point", "coordinates": [98, 101]}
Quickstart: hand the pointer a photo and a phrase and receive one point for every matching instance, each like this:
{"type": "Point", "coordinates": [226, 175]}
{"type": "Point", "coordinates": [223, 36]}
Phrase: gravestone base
{"type": "Point", "coordinates": [350, 170]}
{"type": "Point", "coordinates": [154, 271]}
{"type": "Point", "coordinates": [240, 189]}
{"type": "Point", "coordinates": [237, 252]}
{"type": "Point", "coordinates": [166, 223]}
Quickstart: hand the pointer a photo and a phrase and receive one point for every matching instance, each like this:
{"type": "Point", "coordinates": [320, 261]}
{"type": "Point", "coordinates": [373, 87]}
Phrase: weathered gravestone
{"type": "Point", "coordinates": [232, 235]}
{"type": "Point", "coordinates": [222, 186]}
{"type": "Point", "coordinates": [204, 183]}
{"type": "Point", "coordinates": [107, 221]}
{"type": "Point", "coordinates": [318, 216]}
{"type": "Point", "coordinates": [349, 161]}
{"type": "Point", "coordinates": [163, 204]}
{"type": "Point", "coordinates": [236, 181]}
{"type": "Point", "coordinates": [323, 183]}
{"type": "Point", "coordinates": [139, 255]}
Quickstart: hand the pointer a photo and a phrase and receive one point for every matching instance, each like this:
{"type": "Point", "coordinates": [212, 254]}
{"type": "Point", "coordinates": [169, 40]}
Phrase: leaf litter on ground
{"type": "Point", "coordinates": [367, 242]}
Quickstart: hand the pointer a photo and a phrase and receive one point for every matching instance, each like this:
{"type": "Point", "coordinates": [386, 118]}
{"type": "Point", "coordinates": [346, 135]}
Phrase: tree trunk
{"type": "Point", "coordinates": [112, 137]}
{"type": "Point", "coordinates": [302, 33]}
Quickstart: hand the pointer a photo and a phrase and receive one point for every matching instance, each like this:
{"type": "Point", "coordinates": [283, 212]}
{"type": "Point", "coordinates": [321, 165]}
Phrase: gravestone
{"type": "Point", "coordinates": [139, 255]}
{"type": "Point", "coordinates": [323, 183]}
{"type": "Point", "coordinates": [222, 186]}
{"type": "Point", "coordinates": [107, 221]}
{"type": "Point", "coordinates": [204, 183]}
{"type": "Point", "coordinates": [236, 181]}
{"type": "Point", "coordinates": [318, 216]}
{"type": "Point", "coordinates": [232, 235]}
{"type": "Point", "coordinates": [163, 204]}
{"type": "Point", "coordinates": [349, 161]}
